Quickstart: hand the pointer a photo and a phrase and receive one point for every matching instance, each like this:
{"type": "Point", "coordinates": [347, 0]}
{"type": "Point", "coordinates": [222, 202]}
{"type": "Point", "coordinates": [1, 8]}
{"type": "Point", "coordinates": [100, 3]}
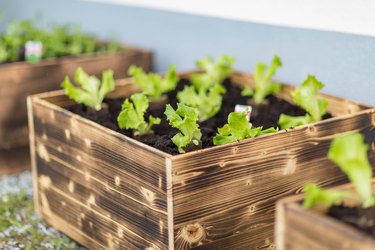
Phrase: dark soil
{"type": "Point", "coordinates": [262, 115]}
{"type": "Point", "coordinates": [361, 218]}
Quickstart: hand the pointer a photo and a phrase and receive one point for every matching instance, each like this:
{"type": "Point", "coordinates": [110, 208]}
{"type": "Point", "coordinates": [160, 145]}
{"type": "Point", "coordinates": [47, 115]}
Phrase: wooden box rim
{"type": "Point", "coordinates": [128, 49]}
{"type": "Point", "coordinates": [39, 98]}
{"type": "Point", "coordinates": [293, 204]}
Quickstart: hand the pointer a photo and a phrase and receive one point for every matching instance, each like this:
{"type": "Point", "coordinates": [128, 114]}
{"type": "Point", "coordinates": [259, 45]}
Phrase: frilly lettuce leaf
{"type": "Point", "coordinates": [264, 85]}
{"type": "Point", "coordinates": [315, 195]}
{"type": "Point", "coordinates": [349, 152]}
{"type": "Point", "coordinates": [154, 85]}
{"type": "Point", "coordinates": [184, 118]}
{"type": "Point", "coordinates": [132, 115]}
{"type": "Point", "coordinates": [214, 72]}
{"type": "Point", "coordinates": [237, 129]}
{"type": "Point", "coordinates": [208, 102]}
{"type": "Point", "coordinates": [92, 91]}
{"type": "Point", "coordinates": [307, 97]}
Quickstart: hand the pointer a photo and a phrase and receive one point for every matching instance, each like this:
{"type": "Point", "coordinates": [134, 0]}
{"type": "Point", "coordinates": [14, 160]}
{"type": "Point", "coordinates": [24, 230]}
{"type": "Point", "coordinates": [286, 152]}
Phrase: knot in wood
{"type": "Point", "coordinates": [193, 233]}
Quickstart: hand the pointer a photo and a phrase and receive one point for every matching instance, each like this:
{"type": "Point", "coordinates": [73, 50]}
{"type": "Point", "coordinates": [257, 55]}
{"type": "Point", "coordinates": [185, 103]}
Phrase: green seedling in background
{"type": "Point", "coordinates": [208, 102]}
{"type": "Point", "coordinates": [349, 152]}
{"type": "Point", "coordinates": [214, 73]}
{"type": "Point", "coordinates": [57, 41]}
{"type": "Point", "coordinates": [264, 85]}
{"type": "Point", "coordinates": [307, 97]}
{"type": "Point", "coordinates": [92, 91]}
{"type": "Point", "coordinates": [154, 85]}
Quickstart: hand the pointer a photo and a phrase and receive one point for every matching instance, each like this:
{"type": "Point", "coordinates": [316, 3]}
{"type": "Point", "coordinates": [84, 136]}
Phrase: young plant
{"type": "Point", "coordinates": [132, 115]}
{"type": "Point", "coordinates": [349, 152]}
{"type": "Point", "coordinates": [154, 85]}
{"type": "Point", "coordinates": [92, 91]}
{"type": "Point", "coordinates": [207, 101]}
{"type": "Point", "coordinates": [264, 85]}
{"type": "Point", "coordinates": [214, 72]}
{"type": "Point", "coordinates": [307, 97]}
{"type": "Point", "coordinates": [184, 118]}
{"type": "Point", "coordinates": [57, 41]}
{"type": "Point", "coordinates": [237, 129]}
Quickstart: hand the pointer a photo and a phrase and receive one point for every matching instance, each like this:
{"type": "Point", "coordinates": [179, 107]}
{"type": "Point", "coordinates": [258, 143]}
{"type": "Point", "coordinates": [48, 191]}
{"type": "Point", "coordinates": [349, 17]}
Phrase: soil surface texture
{"type": "Point", "coordinates": [262, 115]}
{"type": "Point", "coordinates": [361, 218]}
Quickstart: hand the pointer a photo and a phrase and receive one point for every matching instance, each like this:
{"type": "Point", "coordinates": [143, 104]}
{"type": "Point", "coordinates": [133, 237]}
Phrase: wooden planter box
{"type": "Point", "coordinates": [18, 80]}
{"type": "Point", "coordinates": [299, 228]}
{"type": "Point", "coordinates": [107, 190]}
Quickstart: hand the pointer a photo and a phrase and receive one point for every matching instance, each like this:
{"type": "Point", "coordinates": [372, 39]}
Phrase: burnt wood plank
{"type": "Point", "coordinates": [136, 216]}
{"type": "Point", "coordinates": [95, 226]}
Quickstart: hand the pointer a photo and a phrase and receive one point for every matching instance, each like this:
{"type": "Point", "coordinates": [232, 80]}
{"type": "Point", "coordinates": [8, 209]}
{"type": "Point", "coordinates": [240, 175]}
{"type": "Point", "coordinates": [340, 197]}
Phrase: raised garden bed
{"type": "Point", "coordinates": [300, 228]}
{"type": "Point", "coordinates": [20, 79]}
{"type": "Point", "coordinates": [107, 190]}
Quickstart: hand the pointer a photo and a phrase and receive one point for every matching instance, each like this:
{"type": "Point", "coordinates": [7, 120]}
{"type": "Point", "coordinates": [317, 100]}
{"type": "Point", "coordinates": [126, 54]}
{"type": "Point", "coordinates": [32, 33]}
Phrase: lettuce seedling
{"type": "Point", "coordinates": [349, 152]}
{"type": "Point", "coordinates": [237, 129]}
{"type": "Point", "coordinates": [154, 85]}
{"type": "Point", "coordinates": [184, 118]}
{"type": "Point", "coordinates": [325, 198]}
{"type": "Point", "coordinates": [207, 101]}
{"type": "Point", "coordinates": [264, 85]}
{"type": "Point", "coordinates": [132, 115]}
{"type": "Point", "coordinates": [57, 41]}
{"type": "Point", "coordinates": [214, 72]}
{"type": "Point", "coordinates": [92, 91]}
{"type": "Point", "coordinates": [307, 97]}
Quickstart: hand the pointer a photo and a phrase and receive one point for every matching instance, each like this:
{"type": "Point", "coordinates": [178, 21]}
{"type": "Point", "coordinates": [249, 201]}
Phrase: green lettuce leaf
{"type": "Point", "coordinates": [315, 195]}
{"type": "Point", "coordinates": [214, 73]}
{"type": "Point", "coordinates": [91, 92]}
{"type": "Point", "coordinates": [349, 152]}
{"type": "Point", "coordinates": [237, 129]}
{"type": "Point", "coordinates": [184, 118]}
{"type": "Point", "coordinates": [247, 91]}
{"type": "Point", "coordinates": [207, 101]}
{"type": "Point", "coordinates": [57, 41]}
{"type": "Point", "coordinates": [154, 85]}
{"type": "Point", "coordinates": [132, 115]}
{"type": "Point", "coordinates": [288, 121]}
{"type": "Point", "coordinates": [264, 85]}
{"type": "Point", "coordinates": [307, 97]}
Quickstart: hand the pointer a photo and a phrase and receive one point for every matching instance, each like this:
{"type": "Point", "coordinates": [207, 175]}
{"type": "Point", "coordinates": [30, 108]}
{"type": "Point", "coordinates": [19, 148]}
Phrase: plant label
{"type": "Point", "coordinates": [33, 51]}
{"type": "Point", "coordinates": [242, 108]}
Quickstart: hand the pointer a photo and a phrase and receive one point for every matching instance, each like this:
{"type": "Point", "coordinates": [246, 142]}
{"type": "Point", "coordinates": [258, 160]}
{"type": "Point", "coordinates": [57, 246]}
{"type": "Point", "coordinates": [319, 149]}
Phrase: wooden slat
{"type": "Point", "coordinates": [138, 217]}
{"type": "Point", "coordinates": [298, 228]}
{"type": "Point", "coordinates": [103, 231]}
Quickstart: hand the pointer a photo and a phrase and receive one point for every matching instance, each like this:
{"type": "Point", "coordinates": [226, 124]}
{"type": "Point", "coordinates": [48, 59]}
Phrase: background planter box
{"type": "Point", "coordinates": [107, 190]}
{"type": "Point", "coordinates": [18, 80]}
{"type": "Point", "coordinates": [299, 228]}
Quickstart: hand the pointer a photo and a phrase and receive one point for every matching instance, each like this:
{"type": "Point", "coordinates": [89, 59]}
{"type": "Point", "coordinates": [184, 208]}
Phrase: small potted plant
{"type": "Point", "coordinates": [34, 60]}
{"type": "Point", "coordinates": [206, 177]}
{"type": "Point", "coordinates": [338, 218]}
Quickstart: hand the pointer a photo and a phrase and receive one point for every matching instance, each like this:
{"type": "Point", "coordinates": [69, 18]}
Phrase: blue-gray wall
{"type": "Point", "coordinates": [345, 63]}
